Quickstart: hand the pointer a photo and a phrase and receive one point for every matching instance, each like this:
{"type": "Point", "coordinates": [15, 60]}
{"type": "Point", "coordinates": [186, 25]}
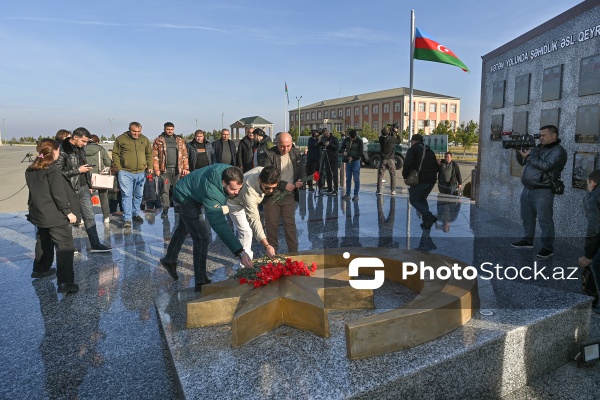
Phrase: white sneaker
{"type": "Point", "coordinates": [107, 220]}
{"type": "Point", "coordinates": [393, 193]}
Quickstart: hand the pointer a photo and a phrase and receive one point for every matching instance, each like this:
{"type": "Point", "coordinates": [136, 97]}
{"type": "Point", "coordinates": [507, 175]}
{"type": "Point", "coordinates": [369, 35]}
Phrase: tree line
{"type": "Point", "coordinates": [465, 135]}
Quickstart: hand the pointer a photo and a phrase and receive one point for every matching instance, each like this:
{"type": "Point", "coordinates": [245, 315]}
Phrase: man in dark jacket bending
{"type": "Point", "coordinates": [428, 168]}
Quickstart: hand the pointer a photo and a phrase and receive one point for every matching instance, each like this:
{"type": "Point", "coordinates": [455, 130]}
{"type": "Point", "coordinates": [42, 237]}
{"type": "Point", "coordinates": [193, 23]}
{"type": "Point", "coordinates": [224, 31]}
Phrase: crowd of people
{"type": "Point", "coordinates": [219, 178]}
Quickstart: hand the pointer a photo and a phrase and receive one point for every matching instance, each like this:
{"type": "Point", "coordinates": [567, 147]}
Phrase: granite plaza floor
{"type": "Point", "coordinates": [105, 341]}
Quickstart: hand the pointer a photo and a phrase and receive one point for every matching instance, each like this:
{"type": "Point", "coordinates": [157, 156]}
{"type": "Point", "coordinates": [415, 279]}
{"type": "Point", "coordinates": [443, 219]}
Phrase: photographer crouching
{"type": "Point", "coordinates": [542, 168]}
{"type": "Point", "coordinates": [329, 161]}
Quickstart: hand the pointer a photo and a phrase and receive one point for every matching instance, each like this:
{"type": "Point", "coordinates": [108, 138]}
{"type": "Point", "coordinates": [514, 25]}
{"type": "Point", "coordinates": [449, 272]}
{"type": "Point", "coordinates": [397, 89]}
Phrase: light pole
{"type": "Point", "coordinates": [110, 120]}
{"type": "Point", "coordinates": [298, 98]}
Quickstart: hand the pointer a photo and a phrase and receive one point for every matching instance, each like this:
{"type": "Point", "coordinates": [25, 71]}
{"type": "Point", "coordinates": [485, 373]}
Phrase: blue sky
{"type": "Point", "coordinates": [66, 64]}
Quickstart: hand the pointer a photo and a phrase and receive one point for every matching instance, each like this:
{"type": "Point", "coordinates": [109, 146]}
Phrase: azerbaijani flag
{"type": "Point", "coordinates": [428, 49]}
{"type": "Point", "coordinates": [287, 94]}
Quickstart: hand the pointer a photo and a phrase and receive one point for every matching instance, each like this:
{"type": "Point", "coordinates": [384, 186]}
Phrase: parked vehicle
{"type": "Point", "coordinates": [108, 142]}
{"type": "Point", "coordinates": [372, 156]}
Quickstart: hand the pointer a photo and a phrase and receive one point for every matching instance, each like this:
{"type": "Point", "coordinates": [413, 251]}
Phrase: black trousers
{"type": "Point", "coordinates": [329, 169]}
{"type": "Point", "coordinates": [47, 239]}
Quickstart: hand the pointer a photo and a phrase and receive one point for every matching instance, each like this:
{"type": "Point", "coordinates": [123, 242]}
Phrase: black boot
{"type": "Point", "coordinates": [64, 267]}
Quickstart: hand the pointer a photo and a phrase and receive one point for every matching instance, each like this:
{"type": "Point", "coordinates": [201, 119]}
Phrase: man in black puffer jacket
{"type": "Point", "coordinates": [245, 151]}
{"type": "Point", "coordinates": [75, 169]}
{"type": "Point", "coordinates": [543, 166]}
{"type": "Point", "coordinates": [428, 170]}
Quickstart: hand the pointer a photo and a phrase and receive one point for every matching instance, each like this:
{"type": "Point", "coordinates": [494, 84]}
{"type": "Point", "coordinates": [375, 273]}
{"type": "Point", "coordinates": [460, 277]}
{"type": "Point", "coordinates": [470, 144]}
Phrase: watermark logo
{"type": "Point", "coordinates": [365, 262]}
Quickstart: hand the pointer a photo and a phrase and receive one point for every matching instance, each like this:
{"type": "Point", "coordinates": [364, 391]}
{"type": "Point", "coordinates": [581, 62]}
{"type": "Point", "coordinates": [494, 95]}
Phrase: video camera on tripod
{"type": "Point", "coordinates": [319, 132]}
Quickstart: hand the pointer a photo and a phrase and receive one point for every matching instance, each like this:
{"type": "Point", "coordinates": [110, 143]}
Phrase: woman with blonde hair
{"type": "Point", "coordinates": [52, 208]}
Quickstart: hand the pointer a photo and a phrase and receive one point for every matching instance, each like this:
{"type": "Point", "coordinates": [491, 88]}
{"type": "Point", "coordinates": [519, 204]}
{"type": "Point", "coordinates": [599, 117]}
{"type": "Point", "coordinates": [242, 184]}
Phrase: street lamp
{"type": "Point", "coordinates": [298, 98]}
{"type": "Point", "coordinates": [110, 120]}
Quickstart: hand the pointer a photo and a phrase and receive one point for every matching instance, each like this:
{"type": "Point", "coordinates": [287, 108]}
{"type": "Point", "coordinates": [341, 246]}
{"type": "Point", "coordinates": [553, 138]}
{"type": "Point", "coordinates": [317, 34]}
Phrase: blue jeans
{"type": "Point", "coordinates": [417, 197]}
{"type": "Point", "coordinates": [353, 173]}
{"type": "Point", "coordinates": [132, 191]}
{"type": "Point", "coordinates": [538, 204]}
{"type": "Point", "coordinates": [190, 222]}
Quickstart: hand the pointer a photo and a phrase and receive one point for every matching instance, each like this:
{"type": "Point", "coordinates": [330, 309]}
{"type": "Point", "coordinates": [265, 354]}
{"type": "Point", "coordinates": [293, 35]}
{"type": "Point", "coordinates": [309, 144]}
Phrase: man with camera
{"type": "Point", "coordinates": [313, 157]}
{"type": "Point", "coordinates": [329, 161]}
{"type": "Point", "coordinates": [542, 168]}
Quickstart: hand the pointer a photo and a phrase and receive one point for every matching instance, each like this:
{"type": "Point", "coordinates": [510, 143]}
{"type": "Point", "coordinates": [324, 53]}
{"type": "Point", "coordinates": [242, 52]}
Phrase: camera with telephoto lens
{"type": "Point", "coordinates": [520, 142]}
{"type": "Point", "coordinates": [390, 129]}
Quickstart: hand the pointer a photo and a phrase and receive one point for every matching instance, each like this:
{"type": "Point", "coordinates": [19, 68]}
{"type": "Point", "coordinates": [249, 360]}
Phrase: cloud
{"type": "Point", "coordinates": [67, 21]}
{"type": "Point", "coordinates": [101, 23]}
{"type": "Point", "coordinates": [172, 26]}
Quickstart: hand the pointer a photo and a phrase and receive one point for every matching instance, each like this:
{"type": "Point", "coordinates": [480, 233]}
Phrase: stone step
{"type": "Point", "coordinates": [532, 331]}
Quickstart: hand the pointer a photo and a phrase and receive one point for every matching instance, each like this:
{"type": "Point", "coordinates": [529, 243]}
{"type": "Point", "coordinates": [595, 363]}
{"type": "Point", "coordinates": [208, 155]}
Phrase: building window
{"type": "Point", "coordinates": [452, 108]}
{"type": "Point", "coordinates": [420, 125]}
{"type": "Point", "coordinates": [432, 124]}
{"type": "Point", "coordinates": [375, 125]}
{"type": "Point", "coordinates": [348, 112]}
{"type": "Point", "coordinates": [356, 110]}
{"type": "Point", "coordinates": [319, 115]}
{"type": "Point", "coordinates": [421, 107]}
{"type": "Point", "coordinates": [356, 126]}
{"type": "Point", "coordinates": [444, 108]}
{"type": "Point", "coordinates": [366, 110]}
{"type": "Point", "coordinates": [397, 107]}
{"type": "Point", "coordinates": [302, 117]}
{"type": "Point", "coordinates": [307, 116]}
{"type": "Point", "coordinates": [333, 115]}
{"type": "Point", "coordinates": [340, 113]}
{"type": "Point", "coordinates": [326, 113]}
{"type": "Point", "coordinates": [386, 108]}
{"type": "Point", "coordinates": [314, 115]}
{"type": "Point", "coordinates": [432, 107]}
{"type": "Point", "coordinates": [338, 127]}
{"type": "Point", "coordinates": [376, 109]}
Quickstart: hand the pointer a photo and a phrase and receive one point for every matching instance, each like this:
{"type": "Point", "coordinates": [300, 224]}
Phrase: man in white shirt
{"type": "Point", "coordinates": [259, 183]}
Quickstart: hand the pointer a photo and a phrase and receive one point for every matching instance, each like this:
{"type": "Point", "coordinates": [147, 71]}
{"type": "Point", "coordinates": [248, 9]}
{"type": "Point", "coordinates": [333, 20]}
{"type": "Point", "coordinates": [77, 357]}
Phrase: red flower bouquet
{"type": "Point", "coordinates": [262, 274]}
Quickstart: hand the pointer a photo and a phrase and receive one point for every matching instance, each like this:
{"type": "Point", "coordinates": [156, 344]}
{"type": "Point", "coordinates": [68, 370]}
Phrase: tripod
{"type": "Point", "coordinates": [28, 157]}
{"type": "Point", "coordinates": [328, 170]}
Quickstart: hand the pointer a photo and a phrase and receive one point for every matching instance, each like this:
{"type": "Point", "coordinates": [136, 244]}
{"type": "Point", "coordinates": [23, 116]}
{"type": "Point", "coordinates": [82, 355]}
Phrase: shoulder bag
{"type": "Point", "coordinates": [103, 180]}
{"type": "Point", "coordinates": [413, 175]}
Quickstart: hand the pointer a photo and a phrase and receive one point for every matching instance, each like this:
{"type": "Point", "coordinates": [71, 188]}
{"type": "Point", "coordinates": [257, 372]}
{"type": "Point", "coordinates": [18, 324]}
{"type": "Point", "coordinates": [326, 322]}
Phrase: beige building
{"type": "Point", "coordinates": [379, 109]}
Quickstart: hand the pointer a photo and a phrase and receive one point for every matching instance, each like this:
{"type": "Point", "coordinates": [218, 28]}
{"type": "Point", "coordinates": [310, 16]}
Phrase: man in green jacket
{"type": "Point", "coordinates": [132, 155]}
{"type": "Point", "coordinates": [204, 190]}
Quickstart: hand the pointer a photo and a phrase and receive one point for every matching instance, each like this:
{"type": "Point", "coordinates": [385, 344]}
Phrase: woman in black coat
{"type": "Point", "coordinates": [52, 207]}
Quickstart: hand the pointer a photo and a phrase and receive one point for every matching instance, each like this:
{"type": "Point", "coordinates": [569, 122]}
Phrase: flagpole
{"type": "Point", "coordinates": [412, 62]}
{"type": "Point", "coordinates": [410, 108]}
{"type": "Point", "coordinates": [285, 111]}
